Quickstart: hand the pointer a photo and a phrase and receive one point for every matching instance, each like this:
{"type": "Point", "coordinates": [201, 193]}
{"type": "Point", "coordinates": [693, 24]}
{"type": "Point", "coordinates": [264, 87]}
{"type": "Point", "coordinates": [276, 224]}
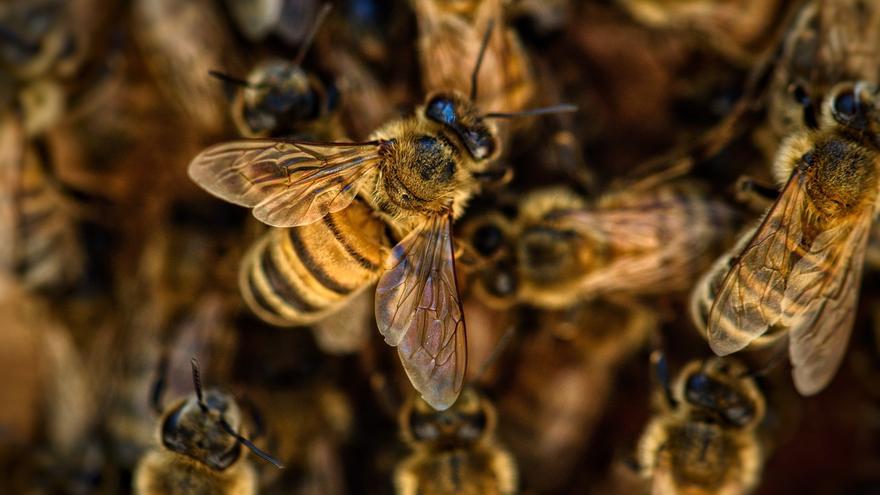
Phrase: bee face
{"type": "Point", "coordinates": [460, 116]}
{"type": "Point", "coordinates": [281, 95]}
{"type": "Point", "coordinates": [467, 422]}
{"type": "Point", "coordinates": [854, 106]}
{"type": "Point", "coordinates": [188, 430]}
{"type": "Point", "coordinates": [720, 388]}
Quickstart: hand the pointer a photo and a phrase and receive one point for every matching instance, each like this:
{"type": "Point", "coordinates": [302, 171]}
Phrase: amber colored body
{"type": "Point", "coordinates": [170, 473]}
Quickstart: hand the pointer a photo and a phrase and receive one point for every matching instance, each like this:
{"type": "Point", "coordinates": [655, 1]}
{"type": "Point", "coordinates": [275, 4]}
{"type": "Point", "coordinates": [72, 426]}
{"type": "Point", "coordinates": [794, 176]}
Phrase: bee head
{"type": "Point", "coordinates": [195, 429]}
{"type": "Point", "coordinates": [854, 105]}
{"type": "Point", "coordinates": [468, 421]}
{"type": "Point", "coordinates": [460, 116]}
{"type": "Point", "coordinates": [279, 96]}
{"type": "Point", "coordinates": [548, 255]}
{"type": "Point", "coordinates": [722, 389]}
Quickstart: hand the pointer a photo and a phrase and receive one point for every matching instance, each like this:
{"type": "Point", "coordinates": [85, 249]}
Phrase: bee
{"type": "Point", "coordinates": [350, 202]}
{"type": "Point", "coordinates": [452, 31]}
{"type": "Point", "coordinates": [734, 28]}
{"type": "Point", "coordinates": [798, 272]}
{"type": "Point", "coordinates": [200, 448]}
{"type": "Point", "coordinates": [40, 241]}
{"type": "Point", "coordinates": [580, 351]}
{"type": "Point", "coordinates": [279, 98]}
{"type": "Point", "coordinates": [705, 437]}
{"type": "Point", "coordinates": [561, 250]}
{"type": "Point", "coordinates": [454, 451]}
{"type": "Point", "coordinates": [289, 19]}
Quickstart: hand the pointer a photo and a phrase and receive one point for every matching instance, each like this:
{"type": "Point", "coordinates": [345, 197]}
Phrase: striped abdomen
{"type": "Point", "coordinates": [297, 276]}
{"type": "Point", "coordinates": [42, 247]}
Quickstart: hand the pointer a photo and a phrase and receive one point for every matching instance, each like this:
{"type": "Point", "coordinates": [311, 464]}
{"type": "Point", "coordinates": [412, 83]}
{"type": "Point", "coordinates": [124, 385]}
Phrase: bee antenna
{"type": "Point", "coordinates": [502, 344]}
{"type": "Point", "coordinates": [483, 45]}
{"type": "Point", "coordinates": [307, 42]}
{"type": "Point", "coordinates": [661, 374]}
{"type": "Point", "coordinates": [229, 79]}
{"type": "Point", "coordinates": [197, 384]}
{"type": "Point", "coordinates": [563, 108]}
{"type": "Point", "coordinates": [247, 443]}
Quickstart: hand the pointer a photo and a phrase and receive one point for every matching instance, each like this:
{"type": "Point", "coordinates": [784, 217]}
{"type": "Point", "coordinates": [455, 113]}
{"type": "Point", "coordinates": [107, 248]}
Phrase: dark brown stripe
{"type": "Point", "coordinates": [351, 250]}
{"type": "Point", "coordinates": [280, 286]}
{"type": "Point", "coordinates": [258, 298]}
{"type": "Point", "coordinates": [313, 267]}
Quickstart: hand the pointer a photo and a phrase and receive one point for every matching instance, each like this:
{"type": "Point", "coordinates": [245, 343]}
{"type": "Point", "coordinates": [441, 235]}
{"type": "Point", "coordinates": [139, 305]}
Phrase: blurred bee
{"type": "Point", "coordinates": [579, 351]}
{"type": "Point", "coordinates": [799, 271]}
{"type": "Point", "coordinates": [560, 250]}
{"type": "Point", "coordinates": [350, 202]}
{"type": "Point", "coordinates": [451, 31]}
{"type": "Point", "coordinates": [704, 438]}
{"type": "Point", "coordinates": [454, 451]}
{"type": "Point", "coordinates": [181, 42]}
{"type": "Point", "coordinates": [40, 244]}
{"type": "Point", "coordinates": [829, 41]}
{"type": "Point", "coordinates": [734, 28]}
{"type": "Point", "coordinates": [200, 448]}
{"type": "Point", "coordinates": [279, 98]}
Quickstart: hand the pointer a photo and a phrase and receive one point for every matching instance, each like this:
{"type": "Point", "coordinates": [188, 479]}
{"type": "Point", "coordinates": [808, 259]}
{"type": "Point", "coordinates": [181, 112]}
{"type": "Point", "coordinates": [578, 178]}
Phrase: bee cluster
{"type": "Point", "coordinates": [618, 246]}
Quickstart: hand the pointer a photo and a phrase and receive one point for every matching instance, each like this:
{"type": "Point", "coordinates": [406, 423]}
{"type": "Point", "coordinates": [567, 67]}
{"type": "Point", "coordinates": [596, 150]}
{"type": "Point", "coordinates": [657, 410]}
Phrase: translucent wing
{"type": "Point", "coordinates": [817, 346]}
{"type": "Point", "coordinates": [286, 183]}
{"type": "Point", "coordinates": [419, 312]}
{"type": "Point", "coordinates": [784, 275]}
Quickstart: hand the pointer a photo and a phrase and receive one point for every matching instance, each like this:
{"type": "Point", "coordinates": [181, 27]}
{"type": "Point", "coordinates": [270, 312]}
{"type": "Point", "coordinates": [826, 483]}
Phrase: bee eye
{"type": "Point", "coordinates": [441, 110]}
{"type": "Point", "coordinates": [845, 104]}
{"type": "Point", "coordinates": [487, 239]}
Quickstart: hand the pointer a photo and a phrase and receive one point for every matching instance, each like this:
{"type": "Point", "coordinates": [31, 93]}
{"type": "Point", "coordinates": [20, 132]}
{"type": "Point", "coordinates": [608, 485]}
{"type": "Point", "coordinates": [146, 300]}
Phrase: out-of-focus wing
{"type": "Point", "coordinates": [418, 310]}
{"type": "Point", "coordinates": [287, 183]}
{"type": "Point", "coordinates": [817, 346]}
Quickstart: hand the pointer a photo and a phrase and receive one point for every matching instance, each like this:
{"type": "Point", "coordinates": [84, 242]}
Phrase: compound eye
{"type": "Point", "coordinates": [846, 105]}
{"type": "Point", "coordinates": [487, 239]}
{"type": "Point", "coordinates": [442, 110]}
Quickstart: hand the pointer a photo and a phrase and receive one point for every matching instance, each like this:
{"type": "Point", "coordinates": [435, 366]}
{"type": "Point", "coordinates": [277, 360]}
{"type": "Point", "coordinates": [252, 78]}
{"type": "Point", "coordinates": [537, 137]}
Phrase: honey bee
{"type": "Point", "coordinates": [454, 451]}
{"type": "Point", "coordinates": [451, 31]}
{"type": "Point", "coordinates": [580, 351]}
{"type": "Point", "coordinates": [705, 438]}
{"type": "Point", "coordinates": [279, 97]}
{"type": "Point", "coordinates": [349, 201]}
{"type": "Point", "coordinates": [200, 448]}
{"type": "Point", "coordinates": [799, 271]}
{"type": "Point", "coordinates": [40, 244]}
{"type": "Point", "coordinates": [562, 250]}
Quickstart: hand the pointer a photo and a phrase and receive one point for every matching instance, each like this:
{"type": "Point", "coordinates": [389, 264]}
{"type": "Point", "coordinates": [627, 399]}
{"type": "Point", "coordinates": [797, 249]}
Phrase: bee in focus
{"type": "Point", "coordinates": [451, 31]}
{"type": "Point", "coordinates": [280, 98]}
{"type": "Point", "coordinates": [350, 202]}
{"type": "Point", "coordinates": [799, 271]}
{"type": "Point", "coordinates": [200, 448]}
{"type": "Point", "coordinates": [704, 438]}
{"type": "Point", "coordinates": [560, 249]}
{"type": "Point", "coordinates": [454, 451]}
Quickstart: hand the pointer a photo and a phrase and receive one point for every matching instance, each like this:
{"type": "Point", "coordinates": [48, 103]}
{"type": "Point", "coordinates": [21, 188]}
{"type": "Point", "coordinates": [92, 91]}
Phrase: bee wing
{"type": "Point", "coordinates": [418, 311]}
{"type": "Point", "coordinates": [286, 183]}
{"type": "Point", "coordinates": [781, 277]}
{"type": "Point", "coordinates": [817, 346]}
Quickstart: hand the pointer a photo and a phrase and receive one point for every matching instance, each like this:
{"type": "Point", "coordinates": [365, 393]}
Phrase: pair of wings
{"type": "Point", "coordinates": [661, 242]}
{"type": "Point", "coordinates": [290, 184]}
{"type": "Point", "coordinates": [800, 273]}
